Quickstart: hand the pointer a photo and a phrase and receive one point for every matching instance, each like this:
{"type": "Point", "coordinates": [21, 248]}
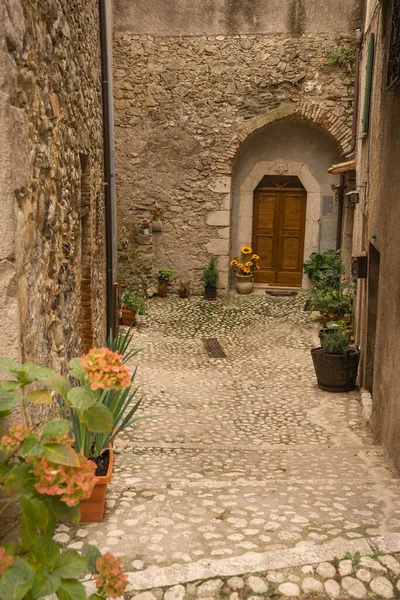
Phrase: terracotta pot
{"type": "Point", "coordinates": [244, 284]}
{"type": "Point", "coordinates": [162, 288]}
{"type": "Point", "coordinates": [92, 509]}
{"type": "Point", "coordinates": [326, 318]}
{"type": "Point", "coordinates": [184, 292]}
{"type": "Point", "coordinates": [156, 226]}
{"type": "Point", "coordinates": [128, 317]}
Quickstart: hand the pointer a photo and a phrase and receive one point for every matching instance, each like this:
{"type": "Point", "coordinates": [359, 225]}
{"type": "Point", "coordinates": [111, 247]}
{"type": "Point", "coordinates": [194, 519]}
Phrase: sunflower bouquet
{"type": "Point", "coordinates": [246, 263]}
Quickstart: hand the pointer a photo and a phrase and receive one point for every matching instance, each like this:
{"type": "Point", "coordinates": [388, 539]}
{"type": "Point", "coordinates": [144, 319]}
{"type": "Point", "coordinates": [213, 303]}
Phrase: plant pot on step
{"type": "Point", "coordinates": [92, 509]}
{"type": "Point", "coordinates": [210, 293]}
{"type": "Point", "coordinates": [327, 318]}
{"type": "Point", "coordinates": [244, 284]}
{"type": "Point", "coordinates": [162, 288]}
{"type": "Point", "coordinates": [127, 317]}
{"type": "Point", "coordinates": [336, 372]}
{"type": "Point", "coordinates": [156, 226]}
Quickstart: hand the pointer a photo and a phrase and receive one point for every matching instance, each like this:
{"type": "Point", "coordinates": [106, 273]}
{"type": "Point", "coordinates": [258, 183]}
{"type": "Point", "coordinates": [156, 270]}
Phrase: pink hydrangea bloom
{"type": "Point", "coordinates": [5, 561]}
{"type": "Point", "coordinates": [16, 434]}
{"type": "Point", "coordinates": [105, 369]}
{"type": "Point", "coordinates": [111, 579]}
{"type": "Point", "coordinates": [73, 484]}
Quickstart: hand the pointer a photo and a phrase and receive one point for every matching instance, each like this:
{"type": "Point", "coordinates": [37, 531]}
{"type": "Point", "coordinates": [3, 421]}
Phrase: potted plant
{"type": "Point", "coordinates": [244, 268]}
{"type": "Point", "coordinates": [332, 303]}
{"type": "Point", "coordinates": [210, 275]}
{"type": "Point", "coordinates": [45, 480]}
{"type": "Point", "coordinates": [163, 276]}
{"type": "Point", "coordinates": [332, 326]}
{"type": "Point", "coordinates": [184, 289]}
{"type": "Point", "coordinates": [336, 363]}
{"type": "Point", "coordinates": [326, 268]}
{"type": "Point", "coordinates": [145, 227]}
{"type": "Point", "coordinates": [132, 305]}
{"type": "Point", "coordinates": [158, 212]}
{"type": "Point", "coordinates": [116, 403]}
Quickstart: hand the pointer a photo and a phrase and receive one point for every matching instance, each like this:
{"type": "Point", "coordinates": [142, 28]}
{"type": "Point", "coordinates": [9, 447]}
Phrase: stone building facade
{"type": "Point", "coordinates": [377, 221]}
{"type": "Point", "coordinates": [52, 249]}
{"type": "Point", "coordinates": [209, 99]}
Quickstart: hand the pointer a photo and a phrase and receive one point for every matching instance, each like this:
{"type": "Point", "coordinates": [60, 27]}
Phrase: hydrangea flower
{"type": "Point", "coordinates": [111, 579]}
{"type": "Point", "coordinates": [73, 484]}
{"type": "Point", "coordinates": [5, 561]}
{"type": "Point", "coordinates": [105, 369]}
{"type": "Point", "coordinates": [16, 435]}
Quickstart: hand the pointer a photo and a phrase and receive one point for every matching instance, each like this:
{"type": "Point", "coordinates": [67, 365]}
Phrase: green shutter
{"type": "Point", "coordinates": [368, 84]}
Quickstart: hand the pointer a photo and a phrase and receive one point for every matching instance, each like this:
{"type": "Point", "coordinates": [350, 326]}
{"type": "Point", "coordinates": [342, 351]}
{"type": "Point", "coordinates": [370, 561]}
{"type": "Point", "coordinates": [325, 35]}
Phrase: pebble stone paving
{"type": "Point", "coordinates": [245, 454]}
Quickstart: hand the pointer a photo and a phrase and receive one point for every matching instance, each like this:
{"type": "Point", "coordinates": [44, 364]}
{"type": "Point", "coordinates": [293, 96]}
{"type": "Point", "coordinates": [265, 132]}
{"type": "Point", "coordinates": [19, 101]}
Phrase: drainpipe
{"type": "Point", "coordinates": [109, 165]}
{"type": "Point", "coordinates": [350, 149]}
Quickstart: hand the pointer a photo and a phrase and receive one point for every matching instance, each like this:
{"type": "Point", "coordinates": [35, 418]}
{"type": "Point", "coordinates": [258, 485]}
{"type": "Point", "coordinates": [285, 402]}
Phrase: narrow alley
{"type": "Point", "coordinates": [252, 467]}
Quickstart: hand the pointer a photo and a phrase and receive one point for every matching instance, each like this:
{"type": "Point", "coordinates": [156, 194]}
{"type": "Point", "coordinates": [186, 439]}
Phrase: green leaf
{"type": "Point", "coordinates": [9, 386]}
{"type": "Point", "coordinates": [60, 454]}
{"type": "Point", "coordinates": [30, 442]}
{"type": "Point", "coordinates": [7, 365]}
{"type": "Point", "coordinates": [46, 551]}
{"type": "Point", "coordinates": [20, 480]}
{"type": "Point", "coordinates": [45, 583]}
{"type": "Point", "coordinates": [76, 369]}
{"type": "Point", "coordinates": [82, 397]}
{"type": "Point", "coordinates": [36, 511]}
{"type": "Point", "coordinates": [17, 580]}
{"type": "Point", "coordinates": [95, 597]}
{"type": "Point", "coordinates": [91, 553]}
{"type": "Point", "coordinates": [55, 428]}
{"type": "Point", "coordinates": [39, 397]}
{"type": "Point", "coordinates": [69, 564]}
{"type": "Point", "coordinates": [98, 418]}
{"type": "Point", "coordinates": [28, 532]}
{"type": "Point", "coordinates": [70, 589]}
{"type": "Point", "coordinates": [8, 400]}
{"type": "Point", "coordinates": [56, 383]}
{"type": "Point", "coordinates": [61, 511]}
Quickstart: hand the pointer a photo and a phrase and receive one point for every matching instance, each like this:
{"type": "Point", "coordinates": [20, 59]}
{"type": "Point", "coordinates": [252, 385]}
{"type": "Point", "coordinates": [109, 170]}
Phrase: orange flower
{"type": "Point", "coordinates": [105, 369]}
{"type": "Point", "coordinates": [111, 579]}
{"type": "Point", "coordinates": [5, 561]}
{"type": "Point", "coordinates": [16, 435]}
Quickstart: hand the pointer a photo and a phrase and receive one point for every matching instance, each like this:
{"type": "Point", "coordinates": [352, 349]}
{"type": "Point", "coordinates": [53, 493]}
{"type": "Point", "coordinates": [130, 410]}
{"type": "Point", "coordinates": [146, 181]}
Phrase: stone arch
{"type": "Point", "coordinates": [314, 113]}
{"type": "Point", "coordinates": [311, 185]}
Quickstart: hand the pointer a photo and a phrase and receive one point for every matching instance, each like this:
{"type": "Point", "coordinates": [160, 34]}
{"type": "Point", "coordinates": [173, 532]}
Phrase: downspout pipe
{"type": "Point", "coordinates": [109, 165]}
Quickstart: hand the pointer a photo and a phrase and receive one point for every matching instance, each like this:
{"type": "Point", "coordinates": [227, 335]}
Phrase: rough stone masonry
{"type": "Point", "coordinates": [51, 179]}
{"type": "Point", "coordinates": [183, 105]}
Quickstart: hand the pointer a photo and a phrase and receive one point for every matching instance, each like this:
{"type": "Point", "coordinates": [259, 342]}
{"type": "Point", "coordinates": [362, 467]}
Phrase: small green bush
{"type": "Point", "coordinates": [164, 274]}
{"type": "Point", "coordinates": [342, 55]}
{"type": "Point", "coordinates": [211, 273]}
{"type": "Point", "coordinates": [134, 303]}
{"type": "Point", "coordinates": [335, 342]}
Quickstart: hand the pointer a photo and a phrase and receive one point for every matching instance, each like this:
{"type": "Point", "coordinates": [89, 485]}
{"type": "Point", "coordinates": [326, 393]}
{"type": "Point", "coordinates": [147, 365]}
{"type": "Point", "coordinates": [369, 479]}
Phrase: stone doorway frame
{"type": "Point", "coordinates": [313, 209]}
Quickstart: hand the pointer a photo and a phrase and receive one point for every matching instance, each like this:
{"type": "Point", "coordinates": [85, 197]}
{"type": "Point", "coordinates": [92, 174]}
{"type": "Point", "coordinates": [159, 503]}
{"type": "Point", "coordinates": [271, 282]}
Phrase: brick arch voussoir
{"type": "Point", "coordinates": [314, 113]}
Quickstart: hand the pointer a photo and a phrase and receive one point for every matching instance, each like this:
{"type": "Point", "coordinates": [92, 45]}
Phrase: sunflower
{"type": "Point", "coordinates": [246, 250]}
{"type": "Point", "coordinates": [249, 264]}
{"type": "Point", "coordinates": [255, 257]}
{"type": "Point", "coordinates": [246, 270]}
{"type": "Point", "coordinates": [239, 266]}
{"type": "Point", "coordinates": [233, 262]}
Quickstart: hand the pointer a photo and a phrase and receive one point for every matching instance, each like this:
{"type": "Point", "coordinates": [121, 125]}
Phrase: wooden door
{"type": "Point", "coordinates": [278, 235]}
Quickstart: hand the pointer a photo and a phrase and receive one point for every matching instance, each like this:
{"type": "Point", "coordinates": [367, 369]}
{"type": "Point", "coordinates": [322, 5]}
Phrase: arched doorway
{"type": "Point", "coordinates": [279, 217]}
{"type": "Point", "coordinates": [302, 153]}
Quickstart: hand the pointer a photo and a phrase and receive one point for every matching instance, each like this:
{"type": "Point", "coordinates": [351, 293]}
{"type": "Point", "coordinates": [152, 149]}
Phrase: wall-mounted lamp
{"type": "Point", "coordinates": [353, 197]}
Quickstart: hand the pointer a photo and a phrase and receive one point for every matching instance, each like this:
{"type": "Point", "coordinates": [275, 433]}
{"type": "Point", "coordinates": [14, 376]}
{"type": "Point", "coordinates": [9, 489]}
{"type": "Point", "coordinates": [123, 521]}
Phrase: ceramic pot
{"type": "Point", "coordinates": [127, 317]}
{"type": "Point", "coordinates": [156, 226]}
{"type": "Point", "coordinates": [244, 284]}
{"type": "Point", "coordinates": [92, 509]}
{"type": "Point", "coordinates": [162, 288]}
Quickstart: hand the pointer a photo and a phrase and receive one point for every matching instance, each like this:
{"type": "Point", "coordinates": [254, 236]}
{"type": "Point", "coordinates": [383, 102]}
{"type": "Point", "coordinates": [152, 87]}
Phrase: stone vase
{"type": "Point", "coordinates": [156, 226]}
{"type": "Point", "coordinates": [244, 284]}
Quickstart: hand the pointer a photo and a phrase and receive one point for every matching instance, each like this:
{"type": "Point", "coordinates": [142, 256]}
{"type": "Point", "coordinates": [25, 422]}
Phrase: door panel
{"type": "Point", "coordinates": [278, 235]}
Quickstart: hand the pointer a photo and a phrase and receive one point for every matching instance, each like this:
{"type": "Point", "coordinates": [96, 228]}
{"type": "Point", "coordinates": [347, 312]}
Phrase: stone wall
{"type": "Point", "coordinates": [183, 107]}
{"type": "Point", "coordinates": [376, 230]}
{"type": "Point", "coordinates": [52, 142]}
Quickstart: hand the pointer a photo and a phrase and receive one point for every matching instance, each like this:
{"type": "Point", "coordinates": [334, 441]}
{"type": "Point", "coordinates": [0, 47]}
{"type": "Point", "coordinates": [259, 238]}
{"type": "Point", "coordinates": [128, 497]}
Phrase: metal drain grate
{"type": "Point", "coordinates": [214, 348]}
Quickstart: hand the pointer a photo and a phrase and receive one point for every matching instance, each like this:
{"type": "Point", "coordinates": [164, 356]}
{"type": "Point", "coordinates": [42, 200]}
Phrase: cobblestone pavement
{"type": "Point", "coordinates": [248, 459]}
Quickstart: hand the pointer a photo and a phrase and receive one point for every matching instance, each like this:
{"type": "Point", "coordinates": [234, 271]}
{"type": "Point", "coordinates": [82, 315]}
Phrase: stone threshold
{"type": "Point", "coordinates": [252, 562]}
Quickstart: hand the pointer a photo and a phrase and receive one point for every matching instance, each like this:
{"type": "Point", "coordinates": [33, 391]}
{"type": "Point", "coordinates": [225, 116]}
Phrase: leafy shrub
{"type": "Point", "coordinates": [325, 269]}
{"type": "Point", "coordinates": [211, 273]}
{"type": "Point", "coordinates": [134, 303]}
{"type": "Point", "coordinates": [341, 55]}
{"type": "Point", "coordinates": [330, 302]}
{"type": "Point", "coordinates": [164, 274]}
{"type": "Point", "coordinates": [336, 342]}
